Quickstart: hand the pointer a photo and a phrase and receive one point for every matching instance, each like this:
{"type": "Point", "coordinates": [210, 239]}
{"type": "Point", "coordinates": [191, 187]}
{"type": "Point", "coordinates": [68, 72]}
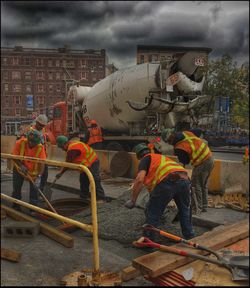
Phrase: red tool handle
{"type": "Point", "coordinates": [179, 239]}
{"type": "Point", "coordinates": [146, 242]}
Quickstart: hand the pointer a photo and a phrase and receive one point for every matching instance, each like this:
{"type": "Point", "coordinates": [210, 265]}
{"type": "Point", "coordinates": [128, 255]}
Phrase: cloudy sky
{"type": "Point", "coordinates": [118, 26]}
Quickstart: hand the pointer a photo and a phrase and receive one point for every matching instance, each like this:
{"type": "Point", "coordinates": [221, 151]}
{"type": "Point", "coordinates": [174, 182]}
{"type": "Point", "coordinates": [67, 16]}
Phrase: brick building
{"type": "Point", "coordinates": [33, 79]}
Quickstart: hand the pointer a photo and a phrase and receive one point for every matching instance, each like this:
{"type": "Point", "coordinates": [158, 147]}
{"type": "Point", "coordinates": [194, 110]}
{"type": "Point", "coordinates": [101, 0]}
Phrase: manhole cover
{"type": "Point", "coordinates": [70, 206]}
{"type": "Point", "coordinates": [120, 164]}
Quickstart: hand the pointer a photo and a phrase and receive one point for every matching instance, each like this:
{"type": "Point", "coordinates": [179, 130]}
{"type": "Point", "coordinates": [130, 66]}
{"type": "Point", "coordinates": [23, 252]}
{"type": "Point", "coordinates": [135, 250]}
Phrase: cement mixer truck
{"type": "Point", "coordinates": [134, 104]}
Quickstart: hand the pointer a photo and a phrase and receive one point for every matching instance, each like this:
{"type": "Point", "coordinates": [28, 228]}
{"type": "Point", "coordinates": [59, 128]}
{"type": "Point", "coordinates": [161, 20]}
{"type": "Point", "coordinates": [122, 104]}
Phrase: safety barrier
{"type": "Point", "coordinates": [225, 175]}
{"type": "Point", "coordinates": [90, 228]}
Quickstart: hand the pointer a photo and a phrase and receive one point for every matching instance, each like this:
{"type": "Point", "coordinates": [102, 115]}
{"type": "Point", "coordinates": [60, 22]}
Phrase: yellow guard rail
{"type": "Point", "coordinates": [90, 228]}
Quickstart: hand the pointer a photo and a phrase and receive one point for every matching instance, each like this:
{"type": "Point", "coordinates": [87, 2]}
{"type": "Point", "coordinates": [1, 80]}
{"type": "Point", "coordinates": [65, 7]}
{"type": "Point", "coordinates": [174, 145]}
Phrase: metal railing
{"type": "Point", "coordinates": [90, 228]}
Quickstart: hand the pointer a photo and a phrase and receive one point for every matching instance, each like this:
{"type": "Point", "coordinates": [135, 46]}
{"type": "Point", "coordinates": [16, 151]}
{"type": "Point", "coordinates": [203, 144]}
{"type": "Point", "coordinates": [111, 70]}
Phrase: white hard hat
{"type": "Point", "coordinates": [42, 119]}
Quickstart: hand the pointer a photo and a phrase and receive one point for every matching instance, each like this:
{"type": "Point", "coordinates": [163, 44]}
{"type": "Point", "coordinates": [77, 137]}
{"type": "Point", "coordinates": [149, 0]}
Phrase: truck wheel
{"type": "Point", "coordinates": [114, 146]}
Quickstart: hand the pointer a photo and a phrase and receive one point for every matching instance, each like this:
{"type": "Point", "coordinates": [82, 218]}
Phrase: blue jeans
{"type": "Point", "coordinates": [159, 198]}
{"type": "Point", "coordinates": [84, 183]}
{"type": "Point", "coordinates": [17, 188]}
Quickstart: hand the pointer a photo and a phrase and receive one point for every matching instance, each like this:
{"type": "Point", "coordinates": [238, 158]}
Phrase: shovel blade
{"type": "Point", "coordinates": [239, 274]}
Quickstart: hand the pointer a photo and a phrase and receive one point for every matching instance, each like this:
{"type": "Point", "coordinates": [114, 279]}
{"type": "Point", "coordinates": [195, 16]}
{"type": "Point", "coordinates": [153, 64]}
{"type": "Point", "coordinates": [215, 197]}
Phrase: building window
{"type": "Point", "coordinates": [39, 62]}
{"type": "Point", "coordinates": [6, 87]}
{"type": "Point", "coordinates": [83, 63]}
{"type": "Point", "coordinates": [27, 61]}
{"type": "Point", "coordinates": [83, 75]}
{"type": "Point", "coordinates": [40, 75]}
{"type": "Point", "coordinates": [28, 88]}
{"type": "Point", "coordinates": [50, 63]}
{"type": "Point", "coordinates": [71, 64]}
{"type": "Point", "coordinates": [40, 87]}
{"type": "Point", "coordinates": [58, 88]}
{"type": "Point", "coordinates": [154, 58]}
{"type": "Point", "coordinates": [142, 59]}
{"type": "Point", "coordinates": [15, 61]}
{"type": "Point", "coordinates": [18, 112]}
{"type": "Point", "coordinates": [5, 60]}
{"type": "Point", "coordinates": [17, 100]}
{"type": "Point", "coordinates": [51, 88]}
{"type": "Point", "coordinates": [64, 63]}
{"type": "Point", "coordinates": [50, 75]}
{"type": "Point", "coordinates": [40, 100]}
{"type": "Point", "coordinates": [16, 75]}
{"type": "Point", "coordinates": [58, 76]}
{"type": "Point", "coordinates": [27, 75]}
{"type": "Point", "coordinates": [5, 75]}
{"type": "Point", "coordinates": [17, 88]}
{"type": "Point", "coordinates": [57, 63]}
{"type": "Point", "coordinates": [7, 102]}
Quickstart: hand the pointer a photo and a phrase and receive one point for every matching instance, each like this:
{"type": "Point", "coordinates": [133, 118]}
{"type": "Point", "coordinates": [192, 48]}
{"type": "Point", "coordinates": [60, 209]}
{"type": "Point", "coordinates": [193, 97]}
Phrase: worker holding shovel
{"type": "Point", "coordinates": [81, 153]}
{"type": "Point", "coordinates": [165, 180]}
{"type": "Point", "coordinates": [28, 146]}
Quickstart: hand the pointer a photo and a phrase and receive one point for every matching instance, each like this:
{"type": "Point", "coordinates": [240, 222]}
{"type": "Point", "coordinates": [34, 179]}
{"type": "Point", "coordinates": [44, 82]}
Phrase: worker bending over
{"type": "Point", "coordinates": [191, 149]}
{"type": "Point", "coordinates": [81, 153]}
{"type": "Point", "coordinates": [165, 180]}
{"type": "Point", "coordinates": [30, 147]}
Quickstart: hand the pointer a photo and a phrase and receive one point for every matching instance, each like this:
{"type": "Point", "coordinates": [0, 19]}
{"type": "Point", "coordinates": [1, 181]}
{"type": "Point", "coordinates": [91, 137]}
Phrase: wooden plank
{"type": "Point", "coordinates": [129, 273]}
{"type": "Point", "coordinates": [157, 263]}
{"type": "Point", "coordinates": [10, 255]}
{"type": "Point", "coordinates": [59, 236]}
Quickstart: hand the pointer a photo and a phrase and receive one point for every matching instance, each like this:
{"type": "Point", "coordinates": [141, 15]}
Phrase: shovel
{"type": "Point", "coordinates": [48, 191]}
{"type": "Point", "coordinates": [238, 265]}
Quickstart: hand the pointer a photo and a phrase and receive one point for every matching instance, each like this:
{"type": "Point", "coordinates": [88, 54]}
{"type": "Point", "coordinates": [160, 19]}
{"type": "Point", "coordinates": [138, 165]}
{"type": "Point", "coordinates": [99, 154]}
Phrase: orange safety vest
{"type": "Point", "coordinates": [32, 166]}
{"type": "Point", "coordinates": [87, 156]}
{"type": "Point", "coordinates": [160, 167]}
{"type": "Point", "coordinates": [95, 135]}
{"type": "Point", "coordinates": [195, 147]}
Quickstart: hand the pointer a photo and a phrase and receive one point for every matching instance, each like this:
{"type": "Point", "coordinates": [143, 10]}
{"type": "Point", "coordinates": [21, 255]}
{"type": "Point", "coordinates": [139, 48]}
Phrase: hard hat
{"type": "Point", "coordinates": [141, 147]}
{"type": "Point", "coordinates": [166, 133]}
{"type": "Point", "coordinates": [42, 119]}
{"type": "Point", "coordinates": [34, 136]}
{"type": "Point", "coordinates": [61, 141]}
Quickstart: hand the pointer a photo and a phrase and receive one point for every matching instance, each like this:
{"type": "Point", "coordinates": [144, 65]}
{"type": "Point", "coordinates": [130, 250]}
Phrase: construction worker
{"type": "Point", "coordinates": [40, 123]}
{"type": "Point", "coordinates": [192, 149]}
{"type": "Point", "coordinates": [81, 153]}
{"type": "Point", "coordinates": [95, 137]}
{"type": "Point", "coordinates": [31, 147]}
{"type": "Point", "coordinates": [165, 180]}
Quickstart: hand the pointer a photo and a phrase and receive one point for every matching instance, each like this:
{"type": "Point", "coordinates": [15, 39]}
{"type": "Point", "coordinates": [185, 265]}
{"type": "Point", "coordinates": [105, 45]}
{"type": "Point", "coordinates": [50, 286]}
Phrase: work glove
{"type": "Point", "coordinates": [58, 175]}
{"type": "Point", "coordinates": [38, 181]}
{"type": "Point", "coordinates": [130, 204]}
{"type": "Point", "coordinates": [24, 169]}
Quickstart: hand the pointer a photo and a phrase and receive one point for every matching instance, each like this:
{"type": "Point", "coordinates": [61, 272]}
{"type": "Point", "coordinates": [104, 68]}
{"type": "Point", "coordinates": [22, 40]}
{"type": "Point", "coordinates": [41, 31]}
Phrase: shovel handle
{"type": "Point", "coordinates": [179, 239]}
{"type": "Point", "coordinates": [146, 242]}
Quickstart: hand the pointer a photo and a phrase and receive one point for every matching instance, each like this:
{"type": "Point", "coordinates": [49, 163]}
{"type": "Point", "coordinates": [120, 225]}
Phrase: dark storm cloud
{"type": "Point", "coordinates": [118, 26]}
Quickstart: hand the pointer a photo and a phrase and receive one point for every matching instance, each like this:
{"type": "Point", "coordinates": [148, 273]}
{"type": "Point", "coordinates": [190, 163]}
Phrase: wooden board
{"type": "Point", "coordinates": [157, 263]}
{"type": "Point", "coordinates": [10, 255]}
{"type": "Point", "coordinates": [129, 273]}
{"type": "Point", "coordinates": [59, 236]}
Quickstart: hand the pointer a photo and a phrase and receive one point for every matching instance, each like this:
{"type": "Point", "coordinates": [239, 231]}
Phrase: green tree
{"type": "Point", "coordinates": [228, 80]}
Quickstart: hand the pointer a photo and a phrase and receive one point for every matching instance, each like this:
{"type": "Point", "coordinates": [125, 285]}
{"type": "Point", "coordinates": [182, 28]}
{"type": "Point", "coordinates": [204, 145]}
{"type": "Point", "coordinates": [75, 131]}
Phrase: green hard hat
{"type": "Point", "coordinates": [61, 140]}
{"type": "Point", "coordinates": [141, 147]}
{"type": "Point", "coordinates": [34, 136]}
